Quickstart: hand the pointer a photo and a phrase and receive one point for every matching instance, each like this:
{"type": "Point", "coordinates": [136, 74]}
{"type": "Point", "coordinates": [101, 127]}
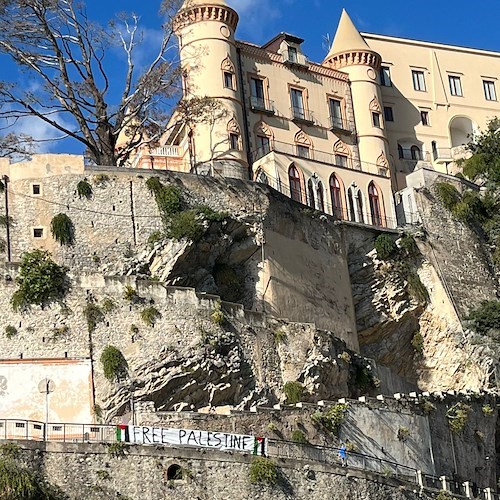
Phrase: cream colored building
{"type": "Point", "coordinates": [339, 136]}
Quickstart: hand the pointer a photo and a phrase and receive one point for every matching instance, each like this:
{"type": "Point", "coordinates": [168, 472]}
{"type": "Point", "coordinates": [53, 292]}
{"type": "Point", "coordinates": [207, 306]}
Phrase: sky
{"type": "Point", "coordinates": [456, 22]}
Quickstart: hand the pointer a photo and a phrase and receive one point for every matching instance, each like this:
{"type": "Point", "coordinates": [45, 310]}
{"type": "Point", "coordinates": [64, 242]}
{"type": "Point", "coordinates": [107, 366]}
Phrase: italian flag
{"type": "Point", "coordinates": [122, 433]}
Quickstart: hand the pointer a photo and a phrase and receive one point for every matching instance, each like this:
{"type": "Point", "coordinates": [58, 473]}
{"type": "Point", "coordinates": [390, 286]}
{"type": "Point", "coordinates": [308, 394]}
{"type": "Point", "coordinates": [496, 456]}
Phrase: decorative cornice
{"type": "Point", "coordinates": [355, 58]}
{"type": "Point", "coordinates": [206, 12]}
{"type": "Point", "coordinates": [265, 55]}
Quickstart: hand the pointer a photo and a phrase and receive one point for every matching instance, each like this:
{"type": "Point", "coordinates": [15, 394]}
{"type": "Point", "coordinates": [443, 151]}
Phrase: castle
{"type": "Point", "coordinates": [340, 136]}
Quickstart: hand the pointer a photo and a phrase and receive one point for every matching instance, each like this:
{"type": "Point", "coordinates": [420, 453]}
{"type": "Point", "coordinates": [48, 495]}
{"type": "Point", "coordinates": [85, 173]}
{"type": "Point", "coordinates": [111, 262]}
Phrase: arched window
{"type": "Point", "coordinates": [401, 153]}
{"type": "Point", "coordinates": [174, 473]}
{"type": "Point", "coordinates": [320, 196]}
{"type": "Point", "coordinates": [234, 134]}
{"type": "Point", "coordinates": [303, 145]}
{"type": "Point", "coordinates": [310, 193]}
{"type": "Point", "coordinates": [295, 186]}
{"type": "Point", "coordinates": [228, 74]}
{"type": "Point", "coordinates": [341, 154]}
{"type": "Point", "coordinates": [350, 199]}
{"type": "Point", "coordinates": [374, 205]}
{"type": "Point", "coordinates": [336, 195]}
{"type": "Point", "coordinates": [359, 203]}
{"type": "Point", "coordinates": [415, 153]}
{"type": "Point", "coordinates": [261, 177]}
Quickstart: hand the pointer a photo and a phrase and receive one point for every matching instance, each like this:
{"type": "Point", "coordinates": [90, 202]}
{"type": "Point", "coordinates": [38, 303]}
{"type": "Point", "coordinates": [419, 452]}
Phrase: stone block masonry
{"type": "Point", "coordinates": [145, 473]}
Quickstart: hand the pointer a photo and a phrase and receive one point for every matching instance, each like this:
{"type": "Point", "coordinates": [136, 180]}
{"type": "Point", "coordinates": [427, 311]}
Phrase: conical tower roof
{"type": "Point", "coordinates": [347, 37]}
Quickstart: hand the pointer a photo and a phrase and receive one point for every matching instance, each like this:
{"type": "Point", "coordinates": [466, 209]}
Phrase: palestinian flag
{"type": "Point", "coordinates": [259, 446]}
{"type": "Point", "coordinates": [122, 433]}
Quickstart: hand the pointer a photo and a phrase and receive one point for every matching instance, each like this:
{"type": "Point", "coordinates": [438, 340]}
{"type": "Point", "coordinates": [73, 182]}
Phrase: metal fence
{"type": "Point", "coordinates": [95, 433]}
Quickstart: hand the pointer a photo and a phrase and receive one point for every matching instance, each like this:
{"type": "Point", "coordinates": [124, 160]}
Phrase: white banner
{"type": "Point", "coordinates": [186, 437]}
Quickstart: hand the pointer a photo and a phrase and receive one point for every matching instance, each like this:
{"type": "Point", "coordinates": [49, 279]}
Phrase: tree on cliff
{"type": "Point", "coordinates": [70, 63]}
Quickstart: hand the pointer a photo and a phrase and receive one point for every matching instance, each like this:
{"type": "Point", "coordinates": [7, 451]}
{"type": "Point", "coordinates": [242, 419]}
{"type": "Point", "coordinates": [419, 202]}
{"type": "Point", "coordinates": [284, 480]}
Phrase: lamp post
{"type": "Point", "coordinates": [46, 386]}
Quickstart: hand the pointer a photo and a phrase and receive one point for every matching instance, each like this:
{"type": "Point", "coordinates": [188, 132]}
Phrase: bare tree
{"type": "Point", "coordinates": [70, 85]}
{"type": "Point", "coordinates": [16, 146]}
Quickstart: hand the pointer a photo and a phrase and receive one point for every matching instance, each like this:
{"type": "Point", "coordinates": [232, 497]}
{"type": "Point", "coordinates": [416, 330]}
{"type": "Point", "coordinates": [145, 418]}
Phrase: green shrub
{"type": "Point", "coordinates": [487, 410]}
{"type": "Point", "coordinates": [113, 363]}
{"type": "Point", "coordinates": [59, 332]}
{"type": "Point", "coordinates": [346, 357]}
{"type": "Point", "coordinates": [486, 317]}
{"type": "Point", "coordinates": [11, 450]}
{"type": "Point", "coordinates": [363, 375]}
{"type": "Point", "coordinates": [403, 433]}
{"type": "Point", "coordinates": [331, 419]}
{"type": "Point", "coordinates": [108, 305]}
{"type": "Point", "coordinates": [385, 246]}
{"type": "Point", "coordinates": [217, 315]}
{"type": "Point", "coordinates": [62, 229]}
{"type": "Point", "coordinates": [448, 194]}
{"type": "Point", "coordinates": [168, 198]}
{"type": "Point", "coordinates": [299, 437]}
{"type": "Point", "coordinates": [279, 336]}
{"type": "Point", "coordinates": [409, 245]}
{"type": "Point", "coordinates": [40, 280]}
{"type": "Point", "coordinates": [155, 237]}
{"type": "Point", "coordinates": [427, 406]}
{"type": "Point", "coordinates": [84, 189]}
{"type": "Point", "coordinates": [149, 315]}
{"type": "Point", "coordinates": [6, 221]}
{"type": "Point", "coordinates": [93, 314]}
{"type": "Point", "coordinates": [185, 225]}
{"type": "Point", "coordinates": [130, 294]}
{"type": "Point", "coordinates": [10, 331]}
{"type": "Point", "coordinates": [3, 245]}
{"type": "Point", "coordinates": [263, 471]}
{"type": "Point", "coordinates": [443, 495]}
{"type": "Point", "coordinates": [457, 417]}
{"type": "Point", "coordinates": [417, 342]}
{"type": "Point", "coordinates": [293, 392]}
{"type": "Point", "coordinates": [416, 288]}
{"type": "Point", "coordinates": [134, 329]}
{"type": "Point", "coordinates": [101, 179]}
{"type": "Point", "coordinates": [117, 449]}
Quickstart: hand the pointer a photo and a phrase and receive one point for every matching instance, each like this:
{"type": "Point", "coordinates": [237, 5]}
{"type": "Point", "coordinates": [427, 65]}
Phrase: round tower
{"type": "Point", "coordinates": [351, 54]}
{"type": "Point", "coordinates": [210, 66]}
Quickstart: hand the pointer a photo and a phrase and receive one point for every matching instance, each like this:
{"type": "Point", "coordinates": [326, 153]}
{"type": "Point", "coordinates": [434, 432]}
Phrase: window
{"type": "Point", "coordinates": [292, 54]}
{"type": "Point", "coordinates": [303, 151]}
{"type": "Point", "coordinates": [418, 80]}
{"type": "Point", "coordinates": [376, 119]}
{"type": "Point", "coordinates": [341, 160]}
{"type": "Point", "coordinates": [297, 103]}
{"type": "Point", "coordinates": [228, 80]}
{"type": "Point", "coordinates": [385, 76]}
{"type": "Point", "coordinates": [336, 113]}
{"type": "Point", "coordinates": [263, 145]}
{"type": "Point", "coordinates": [57, 428]}
{"type": "Point", "coordinates": [257, 93]}
{"type": "Point", "coordinates": [489, 90]}
{"type": "Point", "coordinates": [374, 205]}
{"type": "Point", "coordinates": [415, 153]}
{"type": "Point", "coordinates": [320, 197]}
{"type": "Point", "coordinates": [38, 232]}
{"type": "Point", "coordinates": [295, 187]}
{"type": "Point", "coordinates": [36, 189]}
{"type": "Point", "coordinates": [310, 193]}
{"type": "Point", "coordinates": [455, 85]}
{"type": "Point", "coordinates": [175, 473]}
{"type": "Point", "coordinates": [424, 118]}
{"type": "Point", "coordinates": [20, 425]}
{"type": "Point", "coordinates": [350, 199]}
{"type": "Point", "coordinates": [401, 153]}
{"type": "Point", "coordinates": [388, 114]}
{"type": "Point", "coordinates": [336, 195]}
{"type": "Point", "coordinates": [234, 139]}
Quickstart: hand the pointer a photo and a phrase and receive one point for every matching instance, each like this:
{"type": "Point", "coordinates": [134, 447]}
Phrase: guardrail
{"type": "Point", "coordinates": [29, 430]}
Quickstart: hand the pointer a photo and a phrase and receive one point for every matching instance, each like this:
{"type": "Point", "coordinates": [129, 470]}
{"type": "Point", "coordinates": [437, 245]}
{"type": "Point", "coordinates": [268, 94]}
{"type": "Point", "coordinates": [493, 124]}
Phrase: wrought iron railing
{"type": "Point", "coordinates": [261, 104]}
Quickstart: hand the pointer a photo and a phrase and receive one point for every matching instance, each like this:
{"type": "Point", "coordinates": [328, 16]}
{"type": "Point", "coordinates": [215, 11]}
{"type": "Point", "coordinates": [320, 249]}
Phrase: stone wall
{"type": "Point", "coordinates": [90, 472]}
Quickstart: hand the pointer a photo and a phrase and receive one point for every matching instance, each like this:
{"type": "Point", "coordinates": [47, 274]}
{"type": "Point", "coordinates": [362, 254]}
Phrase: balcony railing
{"type": "Point", "coordinates": [301, 115]}
{"type": "Point", "coordinates": [262, 105]}
{"type": "Point", "coordinates": [450, 154]}
{"type": "Point", "coordinates": [341, 124]}
{"type": "Point", "coordinates": [413, 155]}
{"type": "Point", "coordinates": [174, 151]}
{"type": "Point", "coordinates": [293, 58]}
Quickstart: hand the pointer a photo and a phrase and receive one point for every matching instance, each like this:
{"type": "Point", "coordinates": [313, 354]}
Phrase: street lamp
{"type": "Point", "coordinates": [46, 386]}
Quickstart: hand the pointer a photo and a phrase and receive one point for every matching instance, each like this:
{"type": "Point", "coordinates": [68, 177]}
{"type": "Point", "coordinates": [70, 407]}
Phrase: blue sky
{"type": "Point", "coordinates": [457, 22]}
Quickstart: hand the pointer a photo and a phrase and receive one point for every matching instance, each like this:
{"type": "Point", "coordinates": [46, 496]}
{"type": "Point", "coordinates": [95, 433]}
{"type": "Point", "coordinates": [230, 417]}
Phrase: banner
{"type": "Point", "coordinates": [186, 437]}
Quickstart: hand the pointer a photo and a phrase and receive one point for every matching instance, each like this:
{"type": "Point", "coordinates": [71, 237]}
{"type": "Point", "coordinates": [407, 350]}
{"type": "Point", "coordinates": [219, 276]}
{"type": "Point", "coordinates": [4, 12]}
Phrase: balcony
{"type": "Point", "coordinates": [301, 115]}
{"type": "Point", "coordinates": [448, 155]}
{"type": "Point", "coordinates": [342, 125]}
{"type": "Point", "coordinates": [261, 105]}
{"type": "Point", "coordinates": [413, 154]}
{"type": "Point", "coordinates": [295, 59]}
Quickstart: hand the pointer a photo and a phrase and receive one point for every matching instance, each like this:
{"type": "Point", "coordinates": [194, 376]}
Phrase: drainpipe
{"type": "Point", "coordinates": [245, 120]}
{"type": "Point", "coordinates": [7, 225]}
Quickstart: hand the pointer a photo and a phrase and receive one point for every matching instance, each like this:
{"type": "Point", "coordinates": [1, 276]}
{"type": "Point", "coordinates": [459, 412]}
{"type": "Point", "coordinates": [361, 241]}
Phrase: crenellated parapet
{"type": "Point", "coordinates": [354, 58]}
{"type": "Point", "coordinates": [194, 12]}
